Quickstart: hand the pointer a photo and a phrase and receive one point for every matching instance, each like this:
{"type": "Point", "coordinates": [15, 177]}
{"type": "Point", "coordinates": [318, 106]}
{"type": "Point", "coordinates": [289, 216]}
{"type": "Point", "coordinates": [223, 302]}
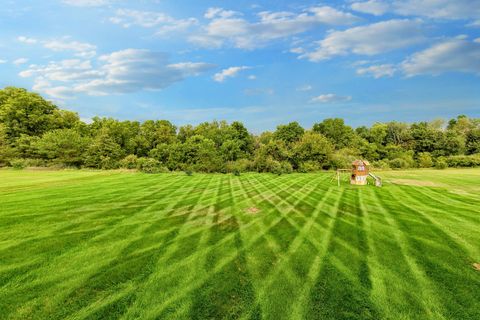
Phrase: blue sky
{"type": "Point", "coordinates": [260, 62]}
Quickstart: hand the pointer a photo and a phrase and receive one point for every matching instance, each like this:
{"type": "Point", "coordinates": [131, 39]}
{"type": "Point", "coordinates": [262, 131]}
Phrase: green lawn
{"type": "Point", "coordinates": [98, 245]}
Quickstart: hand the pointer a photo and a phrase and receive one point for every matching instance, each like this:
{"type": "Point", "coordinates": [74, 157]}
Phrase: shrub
{"type": "Point", "coordinates": [241, 165]}
{"type": "Point", "coordinates": [188, 172]}
{"type": "Point", "coordinates": [463, 161]}
{"type": "Point", "coordinates": [381, 164]}
{"type": "Point", "coordinates": [236, 172]}
{"type": "Point", "coordinates": [399, 163]}
{"type": "Point", "coordinates": [150, 165]}
{"type": "Point", "coordinates": [424, 160]}
{"type": "Point", "coordinates": [273, 166]}
{"type": "Point", "coordinates": [18, 164]}
{"type": "Point", "coordinates": [286, 167]}
{"type": "Point", "coordinates": [129, 162]}
{"type": "Point", "coordinates": [441, 164]}
{"type": "Point", "coordinates": [309, 166]}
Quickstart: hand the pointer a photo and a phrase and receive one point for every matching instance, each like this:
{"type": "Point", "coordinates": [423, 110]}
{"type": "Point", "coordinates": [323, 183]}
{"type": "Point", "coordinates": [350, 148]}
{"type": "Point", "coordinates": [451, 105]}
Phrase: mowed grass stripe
{"type": "Point", "coordinates": [95, 245]}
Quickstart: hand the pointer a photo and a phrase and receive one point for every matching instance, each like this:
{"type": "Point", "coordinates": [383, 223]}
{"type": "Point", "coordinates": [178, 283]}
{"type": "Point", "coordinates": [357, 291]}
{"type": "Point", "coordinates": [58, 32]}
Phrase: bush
{"type": "Point", "coordinates": [286, 167]}
{"type": "Point", "coordinates": [188, 172]}
{"type": "Point", "coordinates": [129, 162]}
{"type": "Point", "coordinates": [424, 160]}
{"type": "Point", "coordinates": [241, 165]}
{"type": "Point", "coordinates": [441, 164]}
{"type": "Point", "coordinates": [309, 166]}
{"type": "Point", "coordinates": [150, 165]}
{"type": "Point", "coordinates": [398, 163]}
{"type": "Point", "coordinates": [463, 161]}
{"type": "Point", "coordinates": [236, 172]}
{"type": "Point", "coordinates": [381, 164]}
{"type": "Point", "coordinates": [18, 164]}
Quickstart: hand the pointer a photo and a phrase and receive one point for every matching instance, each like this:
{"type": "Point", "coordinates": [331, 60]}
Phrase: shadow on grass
{"type": "Point", "coordinates": [342, 289]}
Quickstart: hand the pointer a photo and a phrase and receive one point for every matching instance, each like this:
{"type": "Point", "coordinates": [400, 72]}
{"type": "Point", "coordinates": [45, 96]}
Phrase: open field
{"type": "Point", "coordinates": [95, 245]}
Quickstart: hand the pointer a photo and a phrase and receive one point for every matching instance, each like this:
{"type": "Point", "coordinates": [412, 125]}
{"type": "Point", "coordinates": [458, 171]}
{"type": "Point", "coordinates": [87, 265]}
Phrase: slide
{"type": "Point", "coordinates": [378, 180]}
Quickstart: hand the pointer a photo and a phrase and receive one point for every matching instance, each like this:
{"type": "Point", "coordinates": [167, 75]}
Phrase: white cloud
{"type": "Point", "coordinates": [368, 40]}
{"type": "Point", "coordinates": [228, 27]}
{"type": "Point", "coordinates": [453, 55]}
{"type": "Point", "coordinates": [252, 77]}
{"type": "Point", "coordinates": [219, 12]}
{"type": "Point", "coordinates": [26, 40]}
{"type": "Point", "coordinates": [375, 7]}
{"type": "Point", "coordinates": [3, 61]}
{"type": "Point", "coordinates": [149, 19]}
{"type": "Point", "coordinates": [435, 9]}
{"type": "Point", "coordinates": [81, 49]}
{"type": "Point", "coordinates": [440, 9]}
{"type": "Point", "coordinates": [122, 71]}
{"type": "Point", "coordinates": [330, 98]}
{"type": "Point", "coordinates": [228, 73]}
{"type": "Point", "coordinates": [378, 71]}
{"type": "Point", "coordinates": [305, 88]}
{"type": "Point", "coordinates": [20, 61]}
{"type": "Point", "coordinates": [86, 3]}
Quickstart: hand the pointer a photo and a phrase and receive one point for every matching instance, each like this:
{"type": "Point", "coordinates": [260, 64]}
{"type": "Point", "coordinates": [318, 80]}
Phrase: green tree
{"type": "Point", "coordinates": [312, 147]}
{"type": "Point", "coordinates": [335, 130]}
{"type": "Point", "coordinates": [472, 141]}
{"type": "Point", "coordinates": [63, 146]}
{"type": "Point", "coordinates": [289, 133]}
{"type": "Point", "coordinates": [5, 149]}
{"type": "Point", "coordinates": [23, 112]}
{"type": "Point", "coordinates": [103, 152]}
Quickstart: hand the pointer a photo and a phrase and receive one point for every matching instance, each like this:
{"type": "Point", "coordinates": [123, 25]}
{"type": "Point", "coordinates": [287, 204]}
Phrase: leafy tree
{"type": "Point", "coordinates": [27, 113]}
{"type": "Point", "coordinates": [63, 146]}
{"type": "Point", "coordinates": [103, 152]}
{"type": "Point", "coordinates": [312, 147]}
{"type": "Point", "coordinates": [339, 134]}
{"type": "Point", "coordinates": [472, 141]}
{"type": "Point", "coordinates": [289, 133]}
{"type": "Point", "coordinates": [5, 149]}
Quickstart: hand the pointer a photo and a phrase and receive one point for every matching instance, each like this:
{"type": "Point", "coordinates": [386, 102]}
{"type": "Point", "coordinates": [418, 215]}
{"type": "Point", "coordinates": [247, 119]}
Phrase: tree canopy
{"type": "Point", "coordinates": [37, 132]}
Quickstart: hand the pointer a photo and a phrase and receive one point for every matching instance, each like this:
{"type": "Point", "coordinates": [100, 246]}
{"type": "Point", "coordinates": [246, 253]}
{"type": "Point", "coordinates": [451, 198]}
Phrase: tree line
{"type": "Point", "coordinates": [35, 132]}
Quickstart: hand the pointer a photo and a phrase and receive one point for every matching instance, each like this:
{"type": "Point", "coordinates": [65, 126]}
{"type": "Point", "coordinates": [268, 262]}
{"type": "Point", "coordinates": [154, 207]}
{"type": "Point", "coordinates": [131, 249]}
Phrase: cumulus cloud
{"type": "Point", "coordinates": [122, 71]}
{"type": "Point", "coordinates": [26, 40]}
{"type": "Point", "coordinates": [453, 55]}
{"type": "Point", "coordinates": [228, 73]}
{"type": "Point", "coordinates": [371, 39]}
{"type": "Point", "coordinates": [20, 61]}
{"type": "Point", "coordinates": [330, 98]}
{"type": "Point", "coordinates": [149, 19]}
{"type": "Point", "coordinates": [375, 7]}
{"type": "Point", "coordinates": [229, 27]}
{"type": "Point", "coordinates": [435, 9]}
{"type": "Point", "coordinates": [86, 3]}
{"type": "Point", "coordinates": [81, 49]}
{"type": "Point", "coordinates": [378, 71]}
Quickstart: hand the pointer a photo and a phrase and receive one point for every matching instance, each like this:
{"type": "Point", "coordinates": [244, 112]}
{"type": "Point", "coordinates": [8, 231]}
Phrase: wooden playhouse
{"type": "Point", "coordinates": [360, 171]}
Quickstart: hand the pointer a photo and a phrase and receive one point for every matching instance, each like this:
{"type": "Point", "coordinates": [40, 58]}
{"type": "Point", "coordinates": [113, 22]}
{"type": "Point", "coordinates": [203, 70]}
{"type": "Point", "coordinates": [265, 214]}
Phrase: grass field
{"type": "Point", "coordinates": [99, 245]}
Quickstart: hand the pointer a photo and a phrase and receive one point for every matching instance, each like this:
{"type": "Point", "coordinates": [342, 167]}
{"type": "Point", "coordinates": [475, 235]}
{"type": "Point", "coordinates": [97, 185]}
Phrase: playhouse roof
{"type": "Point", "coordinates": [360, 163]}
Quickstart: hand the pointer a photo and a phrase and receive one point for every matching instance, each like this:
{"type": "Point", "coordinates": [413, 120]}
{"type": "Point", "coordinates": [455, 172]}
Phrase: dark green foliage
{"type": "Point", "coordinates": [33, 128]}
{"type": "Point", "coordinates": [18, 164]}
{"type": "Point", "coordinates": [441, 164]}
{"type": "Point", "coordinates": [63, 146]}
{"type": "Point", "coordinates": [149, 165]}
